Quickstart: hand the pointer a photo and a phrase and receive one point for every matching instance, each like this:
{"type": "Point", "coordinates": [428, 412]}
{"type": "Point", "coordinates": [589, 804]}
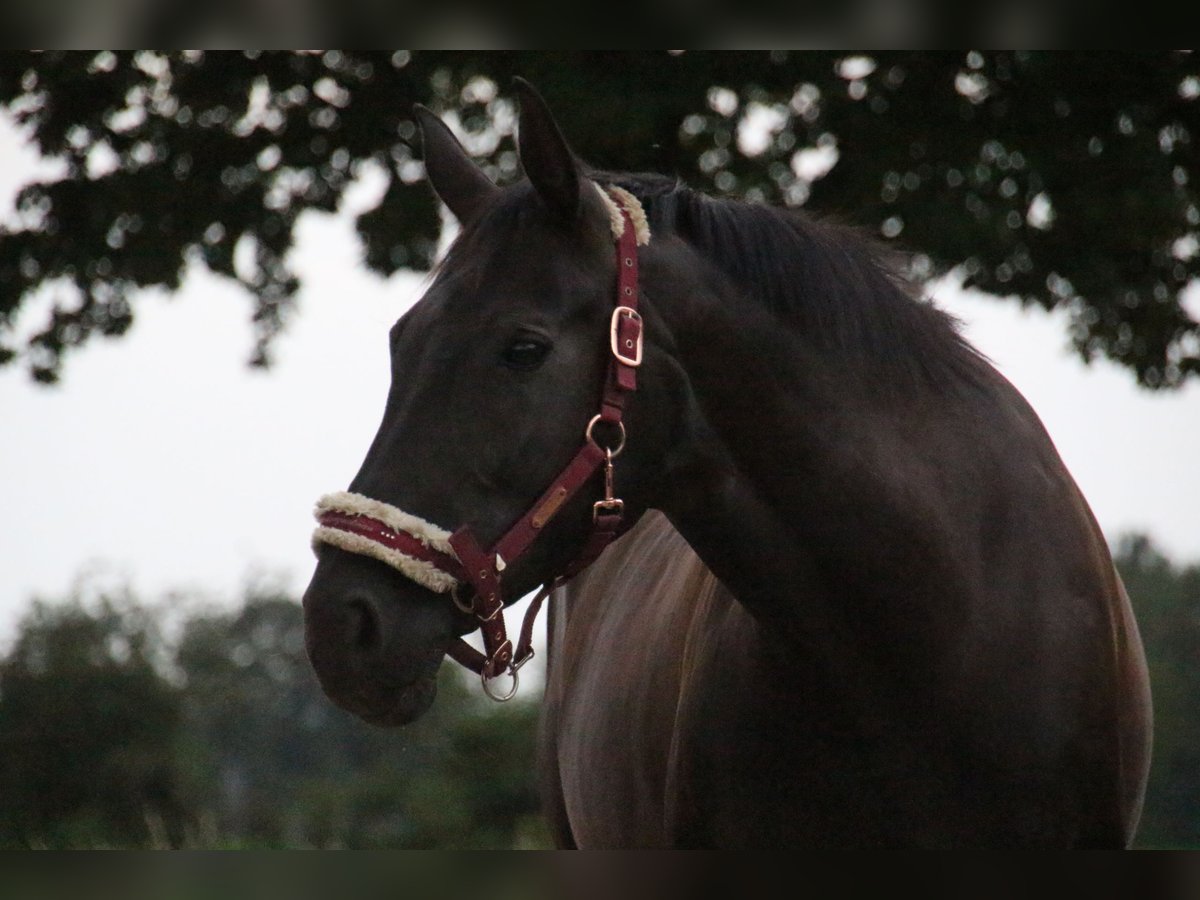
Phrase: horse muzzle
{"type": "Point", "coordinates": [375, 641]}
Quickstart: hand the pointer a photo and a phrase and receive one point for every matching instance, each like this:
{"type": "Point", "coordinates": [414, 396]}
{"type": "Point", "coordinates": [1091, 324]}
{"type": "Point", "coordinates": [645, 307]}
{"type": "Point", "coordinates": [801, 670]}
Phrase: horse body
{"type": "Point", "coordinates": [673, 718]}
{"type": "Point", "coordinates": [865, 604]}
{"type": "Point", "coordinates": [929, 644]}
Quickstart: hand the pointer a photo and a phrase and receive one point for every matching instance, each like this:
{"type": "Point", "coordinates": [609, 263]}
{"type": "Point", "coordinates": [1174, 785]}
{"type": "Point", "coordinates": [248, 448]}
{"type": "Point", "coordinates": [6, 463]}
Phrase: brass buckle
{"type": "Point", "coordinates": [628, 312]}
{"type": "Point", "coordinates": [613, 504]}
{"type": "Point", "coordinates": [495, 612]}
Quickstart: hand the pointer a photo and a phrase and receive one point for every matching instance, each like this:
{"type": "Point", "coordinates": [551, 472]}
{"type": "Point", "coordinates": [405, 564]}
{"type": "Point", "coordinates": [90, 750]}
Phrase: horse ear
{"type": "Point", "coordinates": [455, 178]}
{"type": "Point", "coordinates": [545, 156]}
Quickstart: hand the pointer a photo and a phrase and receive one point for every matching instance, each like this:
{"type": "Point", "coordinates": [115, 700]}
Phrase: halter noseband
{"type": "Point", "coordinates": [444, 562]}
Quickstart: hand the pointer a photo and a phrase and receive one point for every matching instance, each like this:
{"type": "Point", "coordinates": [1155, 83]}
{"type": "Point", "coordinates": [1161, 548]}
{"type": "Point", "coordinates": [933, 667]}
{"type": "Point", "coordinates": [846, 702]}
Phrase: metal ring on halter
{"type": "Point", "coordinates": [500, 698]}
{"type": "Point", "coordinates": [613, 454]}
{"type": "Point", "coordinates": [465, 607]}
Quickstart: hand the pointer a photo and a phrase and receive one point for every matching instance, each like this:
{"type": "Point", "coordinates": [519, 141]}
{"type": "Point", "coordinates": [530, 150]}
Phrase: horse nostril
{"type": "Point", "coordinates": [362, 625]}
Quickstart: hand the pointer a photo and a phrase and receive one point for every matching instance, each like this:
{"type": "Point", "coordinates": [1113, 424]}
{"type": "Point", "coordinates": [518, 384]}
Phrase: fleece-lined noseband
{"type": "Point", "coordinates": [444, 562]}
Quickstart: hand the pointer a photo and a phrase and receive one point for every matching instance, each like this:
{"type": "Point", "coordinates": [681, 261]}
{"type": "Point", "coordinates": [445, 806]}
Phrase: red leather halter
{"type": "Point", "coordinates": [483, 569]}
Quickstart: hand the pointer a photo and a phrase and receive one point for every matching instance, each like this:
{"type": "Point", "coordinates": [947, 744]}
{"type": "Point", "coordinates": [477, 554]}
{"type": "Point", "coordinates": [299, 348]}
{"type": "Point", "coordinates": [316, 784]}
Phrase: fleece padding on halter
{"type": "Point", "coordinates": [384, 532]}
{"type": "Point", "coordinates": [612, 196]}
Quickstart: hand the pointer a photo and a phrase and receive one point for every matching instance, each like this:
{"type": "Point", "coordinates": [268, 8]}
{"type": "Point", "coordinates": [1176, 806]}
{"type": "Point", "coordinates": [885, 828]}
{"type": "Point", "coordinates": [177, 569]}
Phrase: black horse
{"type": "Point", "coordinates": [864, 603]}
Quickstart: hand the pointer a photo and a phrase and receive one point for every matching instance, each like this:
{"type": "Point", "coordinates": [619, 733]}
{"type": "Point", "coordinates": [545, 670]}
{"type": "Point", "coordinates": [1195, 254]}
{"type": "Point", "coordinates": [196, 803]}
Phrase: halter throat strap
{"type": "Point", "coordinates": [446, 562]}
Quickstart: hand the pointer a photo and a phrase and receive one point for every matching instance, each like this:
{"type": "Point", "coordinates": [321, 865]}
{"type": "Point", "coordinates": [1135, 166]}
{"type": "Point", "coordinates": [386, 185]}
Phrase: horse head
{"type": "Point", "coordinates": [502, 378]}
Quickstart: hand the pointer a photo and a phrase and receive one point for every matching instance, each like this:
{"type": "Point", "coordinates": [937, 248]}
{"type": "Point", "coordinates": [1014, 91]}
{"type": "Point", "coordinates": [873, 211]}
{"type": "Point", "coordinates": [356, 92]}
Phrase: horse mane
{"type": "Point", "coordinates": [835, 286]}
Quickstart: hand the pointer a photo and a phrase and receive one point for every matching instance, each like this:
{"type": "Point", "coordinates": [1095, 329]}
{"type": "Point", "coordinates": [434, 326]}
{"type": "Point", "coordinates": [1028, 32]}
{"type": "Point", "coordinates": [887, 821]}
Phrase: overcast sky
{"type": "Point", "coordinates": [163, 462]}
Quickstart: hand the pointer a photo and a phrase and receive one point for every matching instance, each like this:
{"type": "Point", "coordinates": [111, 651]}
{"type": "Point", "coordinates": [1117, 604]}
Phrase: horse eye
{"type": "Point", "coordinates": [525, 355]}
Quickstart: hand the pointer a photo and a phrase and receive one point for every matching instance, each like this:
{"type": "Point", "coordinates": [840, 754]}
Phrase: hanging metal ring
{"type": "Point", "coordinates": [613, 452]}
{"type": "Point", "coordinates": [500, 697]}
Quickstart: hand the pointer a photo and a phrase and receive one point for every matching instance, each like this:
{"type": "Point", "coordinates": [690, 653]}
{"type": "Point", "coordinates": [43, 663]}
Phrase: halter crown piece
{"type": "Point", "coordinates": [449, 562]}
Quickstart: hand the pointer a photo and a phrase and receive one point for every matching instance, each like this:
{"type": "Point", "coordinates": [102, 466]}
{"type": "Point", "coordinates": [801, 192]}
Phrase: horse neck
{"type": "Point", "coordinates": [793, 467]}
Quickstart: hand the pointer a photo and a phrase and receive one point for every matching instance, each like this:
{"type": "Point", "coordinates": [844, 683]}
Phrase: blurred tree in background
{"type": "Point", "coordinates": [87, 729]}
{"type": "Point", "coordinates": [113, 735]}
{"type": "Point", "coordinates": [1062, 179]}
{"type": "Point", "coordinates": [1166, 598]}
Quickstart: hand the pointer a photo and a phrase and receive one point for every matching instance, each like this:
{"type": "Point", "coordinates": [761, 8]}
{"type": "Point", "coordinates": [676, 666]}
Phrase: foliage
{"type": "Point", "coordinates": [113, 736]}
{"type": "Point", "coordinates": [1063, 179]}
{"type": "Point", "coordinates": [1166, 599]}
{"type": "Point", "coordinates": [86, 729]}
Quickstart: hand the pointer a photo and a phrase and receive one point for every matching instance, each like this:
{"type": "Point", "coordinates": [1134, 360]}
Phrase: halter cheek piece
{"type": "Point", "coordinates": [446, 562]}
